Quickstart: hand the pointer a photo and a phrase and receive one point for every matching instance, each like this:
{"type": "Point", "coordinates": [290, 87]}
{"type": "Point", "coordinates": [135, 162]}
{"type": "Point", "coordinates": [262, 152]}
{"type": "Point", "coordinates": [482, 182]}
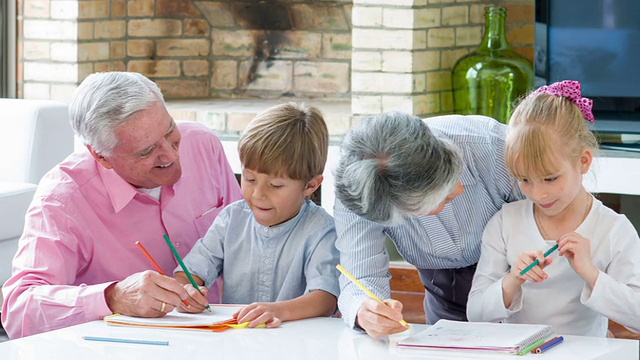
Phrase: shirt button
{"type": "Point", "coordinates": [266, 229]}
{"type": "Point", "coordinates": [263, 297]}
{"type": "Point", "coordinates": [265, 278]}
{"type": "Point", "coordinates": [177, 243]}
{"type": "Point", "coordinates": [266, 261]}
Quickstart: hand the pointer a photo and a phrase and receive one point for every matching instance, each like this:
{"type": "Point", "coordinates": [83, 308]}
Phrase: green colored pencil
{"type": "Point", "coordinates": [531, 347]}
{"type": "Point", "coordinates": [552, 249]}
{"type": "Point", "coordinates": [182, 265]}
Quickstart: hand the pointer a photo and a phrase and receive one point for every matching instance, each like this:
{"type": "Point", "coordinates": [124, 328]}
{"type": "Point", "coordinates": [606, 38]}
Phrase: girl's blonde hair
{"type": "Point", "coordinates": [545, 130]}
{"type": "Point", "coordinates": [289, 140]}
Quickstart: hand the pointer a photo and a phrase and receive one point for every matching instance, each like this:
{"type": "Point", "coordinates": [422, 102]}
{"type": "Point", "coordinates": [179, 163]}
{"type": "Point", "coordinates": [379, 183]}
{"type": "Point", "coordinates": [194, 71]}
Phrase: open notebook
{"type": "Point", "coordinates": [477, 336]}
{"type": "Point", "coordinates": [219, 319]}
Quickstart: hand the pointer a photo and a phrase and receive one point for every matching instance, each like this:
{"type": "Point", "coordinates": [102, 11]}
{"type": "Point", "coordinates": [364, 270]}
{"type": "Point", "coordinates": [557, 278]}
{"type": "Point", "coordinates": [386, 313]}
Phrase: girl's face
{"type": "Point", "coordinates": [555, 193]}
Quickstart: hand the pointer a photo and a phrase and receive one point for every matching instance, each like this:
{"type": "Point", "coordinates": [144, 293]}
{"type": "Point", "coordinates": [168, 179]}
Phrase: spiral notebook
{"type": "Point", "coordinates": [477, 336]}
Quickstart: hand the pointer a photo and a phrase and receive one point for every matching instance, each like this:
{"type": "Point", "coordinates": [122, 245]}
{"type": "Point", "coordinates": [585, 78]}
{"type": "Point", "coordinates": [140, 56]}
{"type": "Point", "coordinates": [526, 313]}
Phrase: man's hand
{"type": "Point", "coordinates": [145, 294]}
{"type": "Point", "coordinates": [379, 319]}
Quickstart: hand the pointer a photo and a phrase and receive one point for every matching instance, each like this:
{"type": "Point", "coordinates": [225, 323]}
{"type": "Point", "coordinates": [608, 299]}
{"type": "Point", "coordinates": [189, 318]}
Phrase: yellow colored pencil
{"type": "Point", "coordinates": [364, 288]}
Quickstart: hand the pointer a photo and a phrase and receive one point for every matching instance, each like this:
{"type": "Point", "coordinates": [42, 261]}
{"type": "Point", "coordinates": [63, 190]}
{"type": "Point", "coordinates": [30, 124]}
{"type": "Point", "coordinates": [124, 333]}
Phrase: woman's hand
{"type": "Point", "coordinates": [380, 319]}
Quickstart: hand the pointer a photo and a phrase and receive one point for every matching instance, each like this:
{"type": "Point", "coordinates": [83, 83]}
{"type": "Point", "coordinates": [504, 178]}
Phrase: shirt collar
{"type": "Point", "coordinates": [119, 191]}
{"type": "Point", "coordinates": [285, 226]}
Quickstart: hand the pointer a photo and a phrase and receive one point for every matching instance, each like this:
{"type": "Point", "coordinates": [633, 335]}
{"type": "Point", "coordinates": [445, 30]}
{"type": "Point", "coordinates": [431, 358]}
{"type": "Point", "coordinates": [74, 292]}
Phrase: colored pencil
{"type": "Point", "coordinates": [364, 288]}
{"type": "Point", "coordinates": [126, 341]}
{"type": "Point", "coordinates": [155, 265]}
{"type": "Point", "coordinates": [552, 249]}
{"type": "Point", "coordinates": [548, 345]}
{"type": "Point", "coordinates": [183, 266]}
{"type": "Point", "coordinates": [531, 347]}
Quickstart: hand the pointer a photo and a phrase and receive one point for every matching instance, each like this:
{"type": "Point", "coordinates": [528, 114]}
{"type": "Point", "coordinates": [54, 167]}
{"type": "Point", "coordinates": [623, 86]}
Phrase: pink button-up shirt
{"type": "Point", "coordinates": [83, 223]}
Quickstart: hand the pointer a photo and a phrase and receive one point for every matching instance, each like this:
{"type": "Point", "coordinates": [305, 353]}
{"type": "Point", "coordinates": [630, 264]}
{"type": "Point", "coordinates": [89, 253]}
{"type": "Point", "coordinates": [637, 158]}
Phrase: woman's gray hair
{"type": "Point", "coordinates": [392, 164]}
{"type": "Point", "coordinates": [104, 101]}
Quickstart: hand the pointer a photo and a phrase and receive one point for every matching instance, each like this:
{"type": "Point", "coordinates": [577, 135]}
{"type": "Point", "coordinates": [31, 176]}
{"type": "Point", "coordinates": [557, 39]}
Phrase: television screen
{"type": "Point", "coordinates": [596, 42]}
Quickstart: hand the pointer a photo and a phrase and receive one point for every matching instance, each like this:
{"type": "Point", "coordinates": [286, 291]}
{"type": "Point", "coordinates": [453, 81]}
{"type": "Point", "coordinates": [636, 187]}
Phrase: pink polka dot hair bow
{"type": "Point", "coordinates": [571, 90]}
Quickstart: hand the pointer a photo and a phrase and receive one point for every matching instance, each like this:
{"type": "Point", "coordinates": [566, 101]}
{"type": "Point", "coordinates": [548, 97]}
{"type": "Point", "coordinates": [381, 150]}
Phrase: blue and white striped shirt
{"type": "Point", "coordinates": [448, 240]}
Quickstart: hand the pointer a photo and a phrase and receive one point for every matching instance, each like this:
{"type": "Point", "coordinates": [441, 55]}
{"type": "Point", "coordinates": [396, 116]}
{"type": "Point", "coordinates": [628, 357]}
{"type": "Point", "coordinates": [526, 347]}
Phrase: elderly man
{"type": "Point", "coordinates": [144, 176]}
{"type": "Point", "coordinates": [431, 186]}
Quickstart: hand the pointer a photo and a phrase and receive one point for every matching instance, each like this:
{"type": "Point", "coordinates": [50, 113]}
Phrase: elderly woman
{"type": "Point", "coordinates": [431, 186]}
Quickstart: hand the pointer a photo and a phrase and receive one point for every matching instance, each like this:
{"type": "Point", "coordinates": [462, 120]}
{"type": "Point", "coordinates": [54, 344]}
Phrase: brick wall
{"type": "Point", "coordinates": [404, 50]}
{"type": "Point", "coordinates": [383, 54]}
{"type": "Point", "coordinates": [192, 49]}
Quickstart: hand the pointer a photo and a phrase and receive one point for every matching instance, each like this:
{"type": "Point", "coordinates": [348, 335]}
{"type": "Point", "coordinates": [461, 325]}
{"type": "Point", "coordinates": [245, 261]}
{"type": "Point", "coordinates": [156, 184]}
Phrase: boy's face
{"type": "Point", "coordinates": [274, 200]}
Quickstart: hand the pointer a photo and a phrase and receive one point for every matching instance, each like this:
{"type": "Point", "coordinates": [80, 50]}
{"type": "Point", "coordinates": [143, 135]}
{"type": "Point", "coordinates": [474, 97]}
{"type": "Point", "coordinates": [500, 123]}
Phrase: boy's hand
{"type": "Point", "coordinates": [197, 299]}
{"type": "Point", "coordinates": [260, 313]}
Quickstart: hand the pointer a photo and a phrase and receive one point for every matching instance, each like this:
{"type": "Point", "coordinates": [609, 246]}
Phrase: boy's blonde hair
{"type": "Point", "coordinates": [545, 130]}
{"type": "Point", "coordinates": [288, 140]}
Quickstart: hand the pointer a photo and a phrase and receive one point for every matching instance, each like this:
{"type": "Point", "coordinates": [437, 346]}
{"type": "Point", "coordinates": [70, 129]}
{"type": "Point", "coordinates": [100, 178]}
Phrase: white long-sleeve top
{"type": "Point", "coordinates": [564, 300]}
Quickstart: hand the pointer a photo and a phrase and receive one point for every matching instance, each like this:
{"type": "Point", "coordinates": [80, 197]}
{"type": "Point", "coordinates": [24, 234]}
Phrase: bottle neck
{"type": "Point", "coordinates": [495, 35]}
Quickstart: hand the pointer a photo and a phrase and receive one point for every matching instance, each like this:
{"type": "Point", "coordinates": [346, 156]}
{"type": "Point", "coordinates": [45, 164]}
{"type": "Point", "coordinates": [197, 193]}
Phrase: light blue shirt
{"type": "Point", "coordinates": [448, 240]}
{"type": "Point", "coordinates": [267, 263]}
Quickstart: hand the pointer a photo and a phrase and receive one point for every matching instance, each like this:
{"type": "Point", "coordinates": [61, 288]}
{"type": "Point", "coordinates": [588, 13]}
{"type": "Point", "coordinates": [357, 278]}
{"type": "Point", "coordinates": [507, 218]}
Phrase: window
{"type": "Point", "coordinates": [7, 48]}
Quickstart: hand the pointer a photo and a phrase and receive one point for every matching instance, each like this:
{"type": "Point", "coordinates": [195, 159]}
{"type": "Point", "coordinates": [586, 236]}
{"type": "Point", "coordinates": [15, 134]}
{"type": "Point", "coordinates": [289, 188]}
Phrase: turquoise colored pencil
{"type": "Point", "coordinates": [183, 266]}
{"type": "Point", "coordinates": [126, 341]}
{"type": "Point", "coordinates": [552, 249]}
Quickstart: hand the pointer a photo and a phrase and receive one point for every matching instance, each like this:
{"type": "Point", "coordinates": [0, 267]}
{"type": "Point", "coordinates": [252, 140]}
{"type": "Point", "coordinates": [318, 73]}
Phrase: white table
{"type": "Point", "coordinates": [319, 338]}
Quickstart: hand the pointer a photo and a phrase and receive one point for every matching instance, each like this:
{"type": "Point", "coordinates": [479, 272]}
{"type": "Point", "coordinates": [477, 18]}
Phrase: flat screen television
{"type": "Point", "coordinates": [596, 42]}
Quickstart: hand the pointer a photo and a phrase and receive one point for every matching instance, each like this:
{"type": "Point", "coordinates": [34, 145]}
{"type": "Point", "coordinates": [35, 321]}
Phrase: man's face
{"type": "Point", "coordinates": [147, 153]}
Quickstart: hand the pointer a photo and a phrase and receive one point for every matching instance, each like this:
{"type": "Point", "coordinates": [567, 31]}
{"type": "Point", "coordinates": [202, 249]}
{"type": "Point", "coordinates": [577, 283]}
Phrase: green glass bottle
{"type": "Point", "coordinates": [488, 80]}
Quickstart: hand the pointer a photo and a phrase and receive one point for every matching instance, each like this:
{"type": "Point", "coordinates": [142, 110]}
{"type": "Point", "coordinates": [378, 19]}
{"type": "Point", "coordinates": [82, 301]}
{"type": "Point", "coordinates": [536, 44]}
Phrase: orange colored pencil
{"type": "Point", "coordinates": [155, 264]}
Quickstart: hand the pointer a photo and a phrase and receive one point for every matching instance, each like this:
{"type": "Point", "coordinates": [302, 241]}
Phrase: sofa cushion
{"type": "Point", "coordinates": [15, 198]}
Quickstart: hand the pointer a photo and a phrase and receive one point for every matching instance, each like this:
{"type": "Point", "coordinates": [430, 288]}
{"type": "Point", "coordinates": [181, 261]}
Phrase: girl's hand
{"type": "Point", "coordinates": [577, 249]}
{"type": "Point", "coordinates": [536, 274]}
{"type": "Point", "coordinates": [259, 313]}
{"type": "Point", "coordinates": [512, 283]}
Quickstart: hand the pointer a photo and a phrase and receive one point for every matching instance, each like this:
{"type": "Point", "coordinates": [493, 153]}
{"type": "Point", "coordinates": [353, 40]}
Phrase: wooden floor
{"type": "Point", "coordinates": [407, 287]}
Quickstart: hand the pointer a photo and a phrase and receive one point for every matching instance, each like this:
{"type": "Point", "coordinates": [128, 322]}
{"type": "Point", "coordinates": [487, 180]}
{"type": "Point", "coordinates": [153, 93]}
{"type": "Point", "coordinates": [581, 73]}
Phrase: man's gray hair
{"type": "Point", "coordinates": [104, 101]}
{"type": "Point", "coordinates": [392, 164]}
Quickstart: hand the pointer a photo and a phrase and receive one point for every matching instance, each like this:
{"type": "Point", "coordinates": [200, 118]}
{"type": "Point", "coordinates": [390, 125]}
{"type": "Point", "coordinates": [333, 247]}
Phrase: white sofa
{"type": "Point", "coordinates": [35, 135]}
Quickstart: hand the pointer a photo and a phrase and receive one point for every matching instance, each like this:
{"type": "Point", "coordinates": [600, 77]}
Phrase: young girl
{"type": "Point", "coordinates": [594, 275]}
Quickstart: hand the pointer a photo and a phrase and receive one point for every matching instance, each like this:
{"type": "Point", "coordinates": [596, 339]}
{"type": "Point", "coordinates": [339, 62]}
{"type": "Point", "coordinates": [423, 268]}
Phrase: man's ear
{"type": "Point", "coordinates": [313, 185]}
{"type": "Point", "coordinates": [99, 158]}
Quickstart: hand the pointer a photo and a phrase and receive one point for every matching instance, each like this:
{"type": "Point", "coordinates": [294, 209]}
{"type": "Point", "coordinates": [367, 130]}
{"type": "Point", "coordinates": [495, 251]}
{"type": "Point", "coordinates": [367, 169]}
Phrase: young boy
{"type": "Point", "coordinates": [276, 248]}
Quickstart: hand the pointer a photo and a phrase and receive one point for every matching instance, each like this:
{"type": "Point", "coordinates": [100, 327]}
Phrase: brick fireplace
{"type": "Point", "coordinates": [350, 57]}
